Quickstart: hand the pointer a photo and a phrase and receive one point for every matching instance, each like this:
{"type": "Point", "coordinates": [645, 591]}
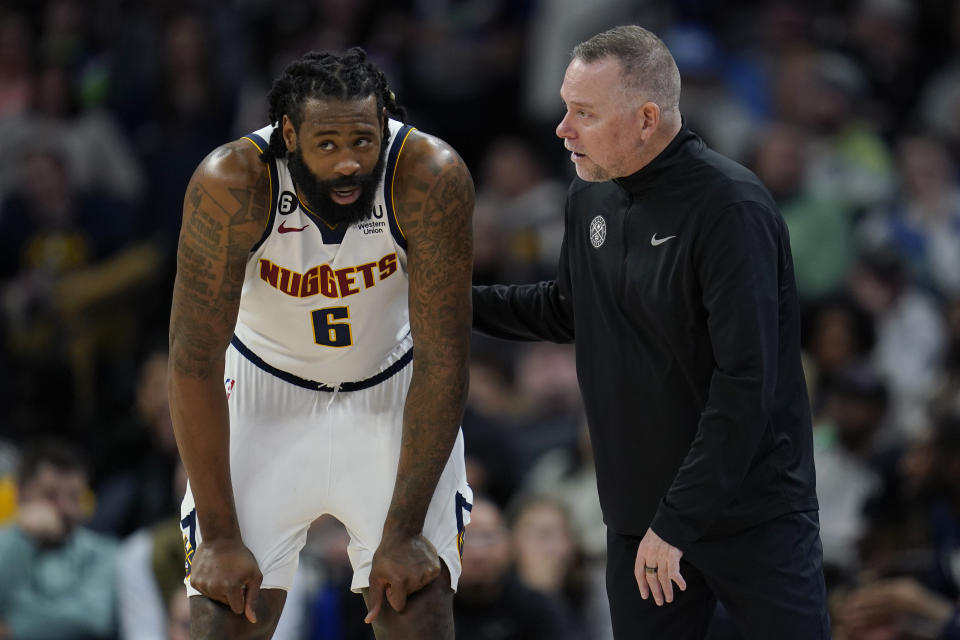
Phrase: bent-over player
{"type": "Point", "coordinates": [314, 254]}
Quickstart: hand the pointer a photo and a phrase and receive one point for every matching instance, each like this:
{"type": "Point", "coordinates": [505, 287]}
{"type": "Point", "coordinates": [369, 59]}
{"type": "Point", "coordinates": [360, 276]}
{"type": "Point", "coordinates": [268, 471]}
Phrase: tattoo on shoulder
{"type": "Point", "coordinates": [219, 228]}
{"type": "Point", "coordinates": [437, 206]}
{"type": "Point", "coordinates": [441, 186]}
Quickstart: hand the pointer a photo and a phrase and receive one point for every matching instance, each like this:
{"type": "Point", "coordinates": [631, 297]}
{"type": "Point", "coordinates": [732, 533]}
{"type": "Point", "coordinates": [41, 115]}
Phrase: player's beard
{"type": "Point", "coordinates": [316, 192]}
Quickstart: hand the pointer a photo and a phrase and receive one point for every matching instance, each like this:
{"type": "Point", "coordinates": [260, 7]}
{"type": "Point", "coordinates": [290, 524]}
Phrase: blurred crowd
{"type": "Point", "coordinates": [848, 110]}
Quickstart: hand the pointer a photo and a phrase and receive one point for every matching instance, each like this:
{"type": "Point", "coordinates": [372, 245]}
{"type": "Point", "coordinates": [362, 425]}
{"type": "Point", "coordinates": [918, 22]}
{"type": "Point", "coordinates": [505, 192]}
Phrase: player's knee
{"type": "Point", "coordinates": [428, 614]}
{"type": "Point", "coordinates": [211, 620]}
{"type": "Point", "coordinates": [206, 618]}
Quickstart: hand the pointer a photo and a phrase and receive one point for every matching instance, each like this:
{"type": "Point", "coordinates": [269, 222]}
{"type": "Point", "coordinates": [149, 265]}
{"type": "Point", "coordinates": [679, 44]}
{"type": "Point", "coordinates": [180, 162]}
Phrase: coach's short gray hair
{"type": "Point", "coordinates": [646, 64]}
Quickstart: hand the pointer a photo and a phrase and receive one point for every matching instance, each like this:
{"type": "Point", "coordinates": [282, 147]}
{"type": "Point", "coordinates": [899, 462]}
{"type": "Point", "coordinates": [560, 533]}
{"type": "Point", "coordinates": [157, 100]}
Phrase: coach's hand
{"type": "Point", "coordinates": [657, 568]}
{"type": "Point", "coordinates": [224, 570]}
{"type": "Point", "coordinates": [401, 566]}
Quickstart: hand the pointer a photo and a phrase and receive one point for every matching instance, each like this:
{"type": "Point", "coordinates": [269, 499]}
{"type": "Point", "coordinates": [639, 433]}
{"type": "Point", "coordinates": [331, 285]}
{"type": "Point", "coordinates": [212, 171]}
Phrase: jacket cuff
{"type": "Point", "coordinates": [672, 529]}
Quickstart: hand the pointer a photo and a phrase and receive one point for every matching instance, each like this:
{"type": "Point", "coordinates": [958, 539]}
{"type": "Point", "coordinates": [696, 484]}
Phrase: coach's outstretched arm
{"type": "Point", "coordinates": [433, 193]}
{"type": "Point", "coordinates": [224, 213]}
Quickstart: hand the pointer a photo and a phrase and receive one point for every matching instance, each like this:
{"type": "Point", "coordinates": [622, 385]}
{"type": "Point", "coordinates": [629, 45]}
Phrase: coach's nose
{"type": "Point", "coordinates": [564, 129]}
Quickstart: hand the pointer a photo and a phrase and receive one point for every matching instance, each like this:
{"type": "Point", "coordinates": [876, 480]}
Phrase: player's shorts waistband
{"type": "Point", "coordinates": [320, 386]}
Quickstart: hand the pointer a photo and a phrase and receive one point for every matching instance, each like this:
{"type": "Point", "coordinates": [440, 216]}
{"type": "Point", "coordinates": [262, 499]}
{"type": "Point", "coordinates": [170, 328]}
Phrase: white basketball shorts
{"type": "Point", "coordinates": [297, 453]}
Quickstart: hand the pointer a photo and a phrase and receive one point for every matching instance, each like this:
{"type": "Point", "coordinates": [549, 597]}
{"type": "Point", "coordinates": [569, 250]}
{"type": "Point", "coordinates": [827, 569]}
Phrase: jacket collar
{"type": "Point", "coordinates": [683, 146]}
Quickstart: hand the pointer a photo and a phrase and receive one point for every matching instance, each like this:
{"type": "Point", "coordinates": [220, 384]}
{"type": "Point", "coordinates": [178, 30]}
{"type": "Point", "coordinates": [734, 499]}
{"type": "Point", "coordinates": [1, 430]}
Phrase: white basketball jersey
{"type": "Point", "coordinates": [325, 305]}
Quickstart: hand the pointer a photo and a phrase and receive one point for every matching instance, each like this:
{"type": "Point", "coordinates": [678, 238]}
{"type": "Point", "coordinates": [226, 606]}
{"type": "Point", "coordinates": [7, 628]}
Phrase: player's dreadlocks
{"type": "Point", "coordinates": [320, 74]}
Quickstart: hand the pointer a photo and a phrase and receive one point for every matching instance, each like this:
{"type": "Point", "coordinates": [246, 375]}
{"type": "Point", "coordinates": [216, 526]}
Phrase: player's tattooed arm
{"type": "Point", "coordinates": [224, 213]}
{"type": "Point", "coordinates": [435, 197]}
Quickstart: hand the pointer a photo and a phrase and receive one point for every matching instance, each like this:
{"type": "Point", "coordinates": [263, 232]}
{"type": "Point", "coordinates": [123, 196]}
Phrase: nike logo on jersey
{"type": "Point", "coordinates": [284, 229]}
{"type": "Point", "coordinates": [656, 242]}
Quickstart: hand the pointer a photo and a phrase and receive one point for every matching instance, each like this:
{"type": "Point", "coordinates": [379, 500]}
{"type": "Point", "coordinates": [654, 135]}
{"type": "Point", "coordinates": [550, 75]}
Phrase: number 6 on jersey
{"type": "Point", "coordinates": [328, 333]}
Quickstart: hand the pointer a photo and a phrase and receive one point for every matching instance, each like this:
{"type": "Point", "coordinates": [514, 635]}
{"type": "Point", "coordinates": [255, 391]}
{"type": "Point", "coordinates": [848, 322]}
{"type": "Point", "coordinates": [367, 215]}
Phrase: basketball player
{"type": "Point", "coordinates": [313, 254]}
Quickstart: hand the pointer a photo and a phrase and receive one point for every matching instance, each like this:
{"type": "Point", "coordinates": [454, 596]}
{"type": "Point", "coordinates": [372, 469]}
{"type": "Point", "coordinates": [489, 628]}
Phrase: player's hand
{"type": "Point", "coordinates": [657, 568]}
{"type": "Point", "coordinates": [225, 570]}
{"type": "Point", "coordinates": [401, 566]}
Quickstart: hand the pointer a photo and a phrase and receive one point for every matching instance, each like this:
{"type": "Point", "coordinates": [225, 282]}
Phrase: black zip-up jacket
{"type": "Point", "coordinates": [677, 286]}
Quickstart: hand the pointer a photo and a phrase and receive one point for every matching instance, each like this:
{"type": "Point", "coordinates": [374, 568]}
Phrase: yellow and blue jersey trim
{"type": "Point", "coordinates": [331, 233]}
{"type": "Point", "coordinates": [390, 177]}
{"type": "Point", "coordinates": [293, 379]}
{"type": "Point", "coordinates": [461, 506]}
{"type": "Point", "coordinates": [273, 179]}
{"type": "Point", "coordinates": [188, 526]}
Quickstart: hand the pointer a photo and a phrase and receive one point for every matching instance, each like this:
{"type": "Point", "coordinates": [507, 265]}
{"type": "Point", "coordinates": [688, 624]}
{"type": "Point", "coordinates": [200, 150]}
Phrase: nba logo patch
{"type": "Point", "coordinates": [228, 386]}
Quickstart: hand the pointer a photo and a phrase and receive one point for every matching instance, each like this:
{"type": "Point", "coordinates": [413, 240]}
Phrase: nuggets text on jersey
{"type": "Point", "coordinates": [325, 280]}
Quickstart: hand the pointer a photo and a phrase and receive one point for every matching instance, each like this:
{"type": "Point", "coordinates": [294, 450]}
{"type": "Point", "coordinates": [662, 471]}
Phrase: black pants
{"type": "Point", "coordinates": [769, 578]}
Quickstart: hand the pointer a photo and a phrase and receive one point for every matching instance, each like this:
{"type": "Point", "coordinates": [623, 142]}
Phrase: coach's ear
{"type": "Point", "coordinates": [289, 133]}
{"type": "Point", "coordinates": [649, 119]}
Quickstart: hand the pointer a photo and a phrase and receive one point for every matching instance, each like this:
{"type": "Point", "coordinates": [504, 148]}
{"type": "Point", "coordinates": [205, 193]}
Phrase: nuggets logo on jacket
{"type": "Point", "coordinates": [598, 231]}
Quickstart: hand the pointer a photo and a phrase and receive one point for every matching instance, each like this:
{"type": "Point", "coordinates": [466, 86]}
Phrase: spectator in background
{"type": "Point", "coordinates": [825, 92]}
{"type": "Point", "coordinates": [67, 280]}
{"type": "Point", "coordinates": [66, 106]}
{"type": "Point", "coordinates": [847, 444]}
{"type": "Point", "coordinates": [820, 231]}
{"type": "Point", "coordinates": [922, 222]}
{"type": "Point", "coordinates": [555, 27]}
{"type": "Point", "coordinates": [476, 82]}
{"type": "Point", "coordinates": [709, 104]}
{"type": "Point", "coordinates": [568, 476]}
{"type": "Point", "coordinates": [97, 155]}
{"type": "Point", "coordinates": [150, 576]}
{"type": "Point", "coordinates": [324, 578]}
{"type": "Point", "coordinates": [137, 458]}
{"type": "Point", "coordinates": [524, 202]}
{"type": "Point", "coordinates": [914, 592]}
{"type": "Point", "coordinates": [179, 104]}
{"type": "Point", "coordinates": [490, 250]}
{"type": "Point", "coordinates": [187, 112]}
{"type": "Point", "coordinates": [518, 408]}
{"type": "Point", "coordinates": [56, 577]}
{"type": "Point", "coordinates": [900, 608]}
{"type": "Point", "coordinates": [882, 41]}
{"type": "Point", "coordinates": [16, 77]}
{"type": "Point", "coordinates": [911, 334]}
{"type": "Point", "coordinates": [760, 38]}
{"type": "Point", "coordinates": [549, 397]}
{"type": "Point", "coordinates": [490, 451]}
{"type": "Point", "coordinates": [66, 33]}
{"type": "Point", "coordinates": [946, 398]}
{"type": "Point", "coordinates": [491, 604]}
{"type": "Point", "coordinates": [837, 334]}
{"type": "Point", "coordinates": [939, 102]}
{"type": "Point", "coordinates": [331, 25]}
{"type": "Point", "coordinates": [546, 555]}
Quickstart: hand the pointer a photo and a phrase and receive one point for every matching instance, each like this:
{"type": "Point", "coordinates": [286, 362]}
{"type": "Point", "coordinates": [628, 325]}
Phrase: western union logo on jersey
{"type": "Point", "coordinates": [326, 281]}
